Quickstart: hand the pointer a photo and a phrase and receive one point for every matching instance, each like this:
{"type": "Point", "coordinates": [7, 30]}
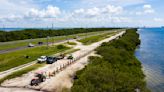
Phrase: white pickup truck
{"type": "Point", "coordinates": [31, 45]}
{"type": "Point", "coordinates": [42, 59]}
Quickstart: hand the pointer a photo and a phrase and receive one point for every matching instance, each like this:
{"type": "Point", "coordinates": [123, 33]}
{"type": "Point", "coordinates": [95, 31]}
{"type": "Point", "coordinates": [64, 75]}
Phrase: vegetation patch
{"type": "Point", "coordinates": [14, 59]}
{"type": "Point", "coordinates": [96, 38]}
{"type": "Point", "coordinates": [41, 33]}
{"type": "Point", "coordinates": [117, 70]}
{"type": "Point", "coordinates": [60, 46]}
{"type": "Point", "coordinates": [71, 43]}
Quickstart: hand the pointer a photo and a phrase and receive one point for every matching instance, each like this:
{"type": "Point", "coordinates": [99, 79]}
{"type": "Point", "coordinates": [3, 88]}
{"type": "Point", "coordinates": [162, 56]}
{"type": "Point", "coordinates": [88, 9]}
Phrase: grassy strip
{"type": "Point", "coordinates": [117, 70]}
{"type": "Point", "coordinates": [30, 68]}
{"type": "Point", "coordinates": [93, 39]}
{"type": "Point", "coordinates": [21, 72]}
{"type": "Point", "coordinates": [14, 59]}
{"type": "Point", "coordinates": [16, 44]}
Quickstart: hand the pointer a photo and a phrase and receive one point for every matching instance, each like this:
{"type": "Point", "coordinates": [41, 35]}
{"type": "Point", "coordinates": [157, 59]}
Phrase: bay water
{"type": "Point", "coordinates": [151, 55]}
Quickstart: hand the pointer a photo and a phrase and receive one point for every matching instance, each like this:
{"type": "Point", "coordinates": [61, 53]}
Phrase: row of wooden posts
{"type": "Point", "coordinates": [70, 62]}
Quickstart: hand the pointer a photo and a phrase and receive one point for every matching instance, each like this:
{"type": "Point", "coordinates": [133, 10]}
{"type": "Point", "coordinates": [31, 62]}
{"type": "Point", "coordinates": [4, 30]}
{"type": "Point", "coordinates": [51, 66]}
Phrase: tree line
{"type": "Point", "coordinates": [117, 70]}
{"type": "Point", "coordinates": [41, 33]}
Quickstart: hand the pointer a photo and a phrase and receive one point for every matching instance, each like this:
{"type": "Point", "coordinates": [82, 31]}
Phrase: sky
{"type": "Point", "coordinates": [81, 13]}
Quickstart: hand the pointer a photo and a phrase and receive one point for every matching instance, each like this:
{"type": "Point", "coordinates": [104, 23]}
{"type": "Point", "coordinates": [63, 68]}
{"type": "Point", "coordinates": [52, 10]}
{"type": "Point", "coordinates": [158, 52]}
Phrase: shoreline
{"type": "Point", "coordinates": [131, 77]}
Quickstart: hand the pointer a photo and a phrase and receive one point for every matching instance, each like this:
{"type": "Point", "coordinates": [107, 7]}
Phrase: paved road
{"type": "Point", "coordinates": [57, 42]}
{"type": "Point", "coordinates": [24, 47]}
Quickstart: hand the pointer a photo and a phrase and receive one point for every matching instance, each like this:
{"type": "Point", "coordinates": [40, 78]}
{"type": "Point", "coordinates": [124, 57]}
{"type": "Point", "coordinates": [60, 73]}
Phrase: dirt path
{"type": "Point", "coordinates": [61, 80]}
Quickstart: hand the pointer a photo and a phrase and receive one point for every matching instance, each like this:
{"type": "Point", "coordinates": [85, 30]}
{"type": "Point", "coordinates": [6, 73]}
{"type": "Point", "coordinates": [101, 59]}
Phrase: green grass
{"type": "Point", "coordinates": [14, 59]}
{"type": "Point", "coordinates": [71, 43]}
{"type": "Point", "coordinates": [93, 39]}
{"type": "Point", "coordinates": [20, 43]}
{"type": "Point", "coordinates": [21, 72]}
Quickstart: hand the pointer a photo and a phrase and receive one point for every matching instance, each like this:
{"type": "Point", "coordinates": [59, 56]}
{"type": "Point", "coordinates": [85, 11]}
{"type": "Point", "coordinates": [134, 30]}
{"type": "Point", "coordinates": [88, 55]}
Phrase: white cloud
{"type": "Point", "coordinates": [94, 12]}
{"type": "Point", "coordinates": [79, 11]}
{"type": "Point", "coordinates": [122, 3]}
{"type": "Point", "coordinates": [9, 7]}
{"type": "Point", "coordinates": [147, 9]}
{"type": "Point", "coordinates": [147, 6]}
{"type": "Point", "coordinates": [49, 12]}
{"type": "Point", "coordinates": [158, 20]}
{"type": "Point", "coordinates": [110, 9]}
{"type": "Point", "coordinates": [33, 14]}
{"type": "Point", "coordinates": [150, 11]}
{"type": "Point", "coordinates": [11, 18]}
{"type": "Point", "coordinates": [121, 19]}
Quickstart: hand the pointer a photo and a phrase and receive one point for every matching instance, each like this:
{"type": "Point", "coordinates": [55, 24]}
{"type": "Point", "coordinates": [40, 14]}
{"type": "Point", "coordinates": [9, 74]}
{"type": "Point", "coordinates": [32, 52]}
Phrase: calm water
{"type": "Point", "coordinates": [151, 54]}
{"type": "Point", "coordinates": [11, 29]}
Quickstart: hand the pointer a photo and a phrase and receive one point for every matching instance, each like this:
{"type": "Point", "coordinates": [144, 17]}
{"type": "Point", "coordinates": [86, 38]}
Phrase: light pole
{"type": "Point", "coordinates": [53, 41]}
{"type": "Point", "coordinates": [47, 41]}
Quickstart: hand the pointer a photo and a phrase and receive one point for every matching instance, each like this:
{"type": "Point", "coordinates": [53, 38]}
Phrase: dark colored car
{"type": "Point", "coordinates": [70, 57]}
{"type": "Point", "coordinates": [51, 60]}
{"type": "Point", "coordinates": [61, 56]}
{"type": "Point", "coordinates": [40, 43]}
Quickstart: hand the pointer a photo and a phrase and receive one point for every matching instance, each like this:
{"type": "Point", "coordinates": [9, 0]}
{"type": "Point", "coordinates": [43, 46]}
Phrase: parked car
{"type": "Point", "coordinates": [31, 45]}
{"type": "Point", "coordinates": [70, 57]}
{"type": "Point", "coordinates": [42, 59]}
{"type": "Point", "coordinates": [51, 60]}
{"type": "Point", "coordinates": [61, 56]}
{"type": "Point", "coordinates": [40, 43]}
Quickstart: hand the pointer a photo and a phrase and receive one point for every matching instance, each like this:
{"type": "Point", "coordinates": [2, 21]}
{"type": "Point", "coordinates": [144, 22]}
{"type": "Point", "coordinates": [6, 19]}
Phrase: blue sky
{"type": "Point", "coordinates": [81, 13]}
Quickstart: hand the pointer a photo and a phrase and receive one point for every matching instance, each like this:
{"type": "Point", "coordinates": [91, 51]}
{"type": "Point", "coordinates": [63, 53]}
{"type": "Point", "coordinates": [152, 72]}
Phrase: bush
{"type": "Point", "coordinates": [61, 46]}
{"type": "Point", "coordinates": [71, 43]}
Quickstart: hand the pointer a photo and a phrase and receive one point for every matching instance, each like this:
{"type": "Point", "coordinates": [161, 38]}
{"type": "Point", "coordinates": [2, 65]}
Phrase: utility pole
{"type": "Point", "coordinates": [52, 25]}
{"type": "Point", "coordinates": [47, 41]}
